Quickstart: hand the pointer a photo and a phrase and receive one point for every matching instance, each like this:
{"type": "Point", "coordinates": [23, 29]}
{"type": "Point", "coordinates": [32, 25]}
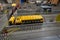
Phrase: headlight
{"type": "Point", "coordinates": [13, 4]}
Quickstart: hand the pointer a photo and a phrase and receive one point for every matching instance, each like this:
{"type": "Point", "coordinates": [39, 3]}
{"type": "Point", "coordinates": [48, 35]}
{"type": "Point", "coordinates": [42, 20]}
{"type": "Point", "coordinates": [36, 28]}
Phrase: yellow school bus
{"type": "Point", "coordinates": [26, 19]}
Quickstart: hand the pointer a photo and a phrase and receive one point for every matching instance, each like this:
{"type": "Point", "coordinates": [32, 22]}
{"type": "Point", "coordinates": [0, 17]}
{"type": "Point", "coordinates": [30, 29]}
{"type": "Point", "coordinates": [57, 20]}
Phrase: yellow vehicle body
{"type": "Point", "coordinates": [58, 18]}
{"type": "Point", "coordinates": [11, 20]}
{"type": "Point", "coordinates": [26, 19]}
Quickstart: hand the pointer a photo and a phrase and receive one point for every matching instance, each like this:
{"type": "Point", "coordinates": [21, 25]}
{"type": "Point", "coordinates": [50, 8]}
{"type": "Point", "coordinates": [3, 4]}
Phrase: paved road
{"type": "Point", "coordinates": [1, 14]}
{"type": "Point", "coordinates": [38, 8]}
{"type": "Point", "coordinates": [3, 21]}
{"type": "Point", "coordinates": [34, 36]}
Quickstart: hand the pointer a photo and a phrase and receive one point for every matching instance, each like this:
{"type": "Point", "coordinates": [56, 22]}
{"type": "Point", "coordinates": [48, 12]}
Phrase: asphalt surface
{"type": "Point", "coordinates": [55, 9]}
{"type": "Point", "coordinates": [3, 21]}
{"type": "Point", "coordinates": [33, 36]}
